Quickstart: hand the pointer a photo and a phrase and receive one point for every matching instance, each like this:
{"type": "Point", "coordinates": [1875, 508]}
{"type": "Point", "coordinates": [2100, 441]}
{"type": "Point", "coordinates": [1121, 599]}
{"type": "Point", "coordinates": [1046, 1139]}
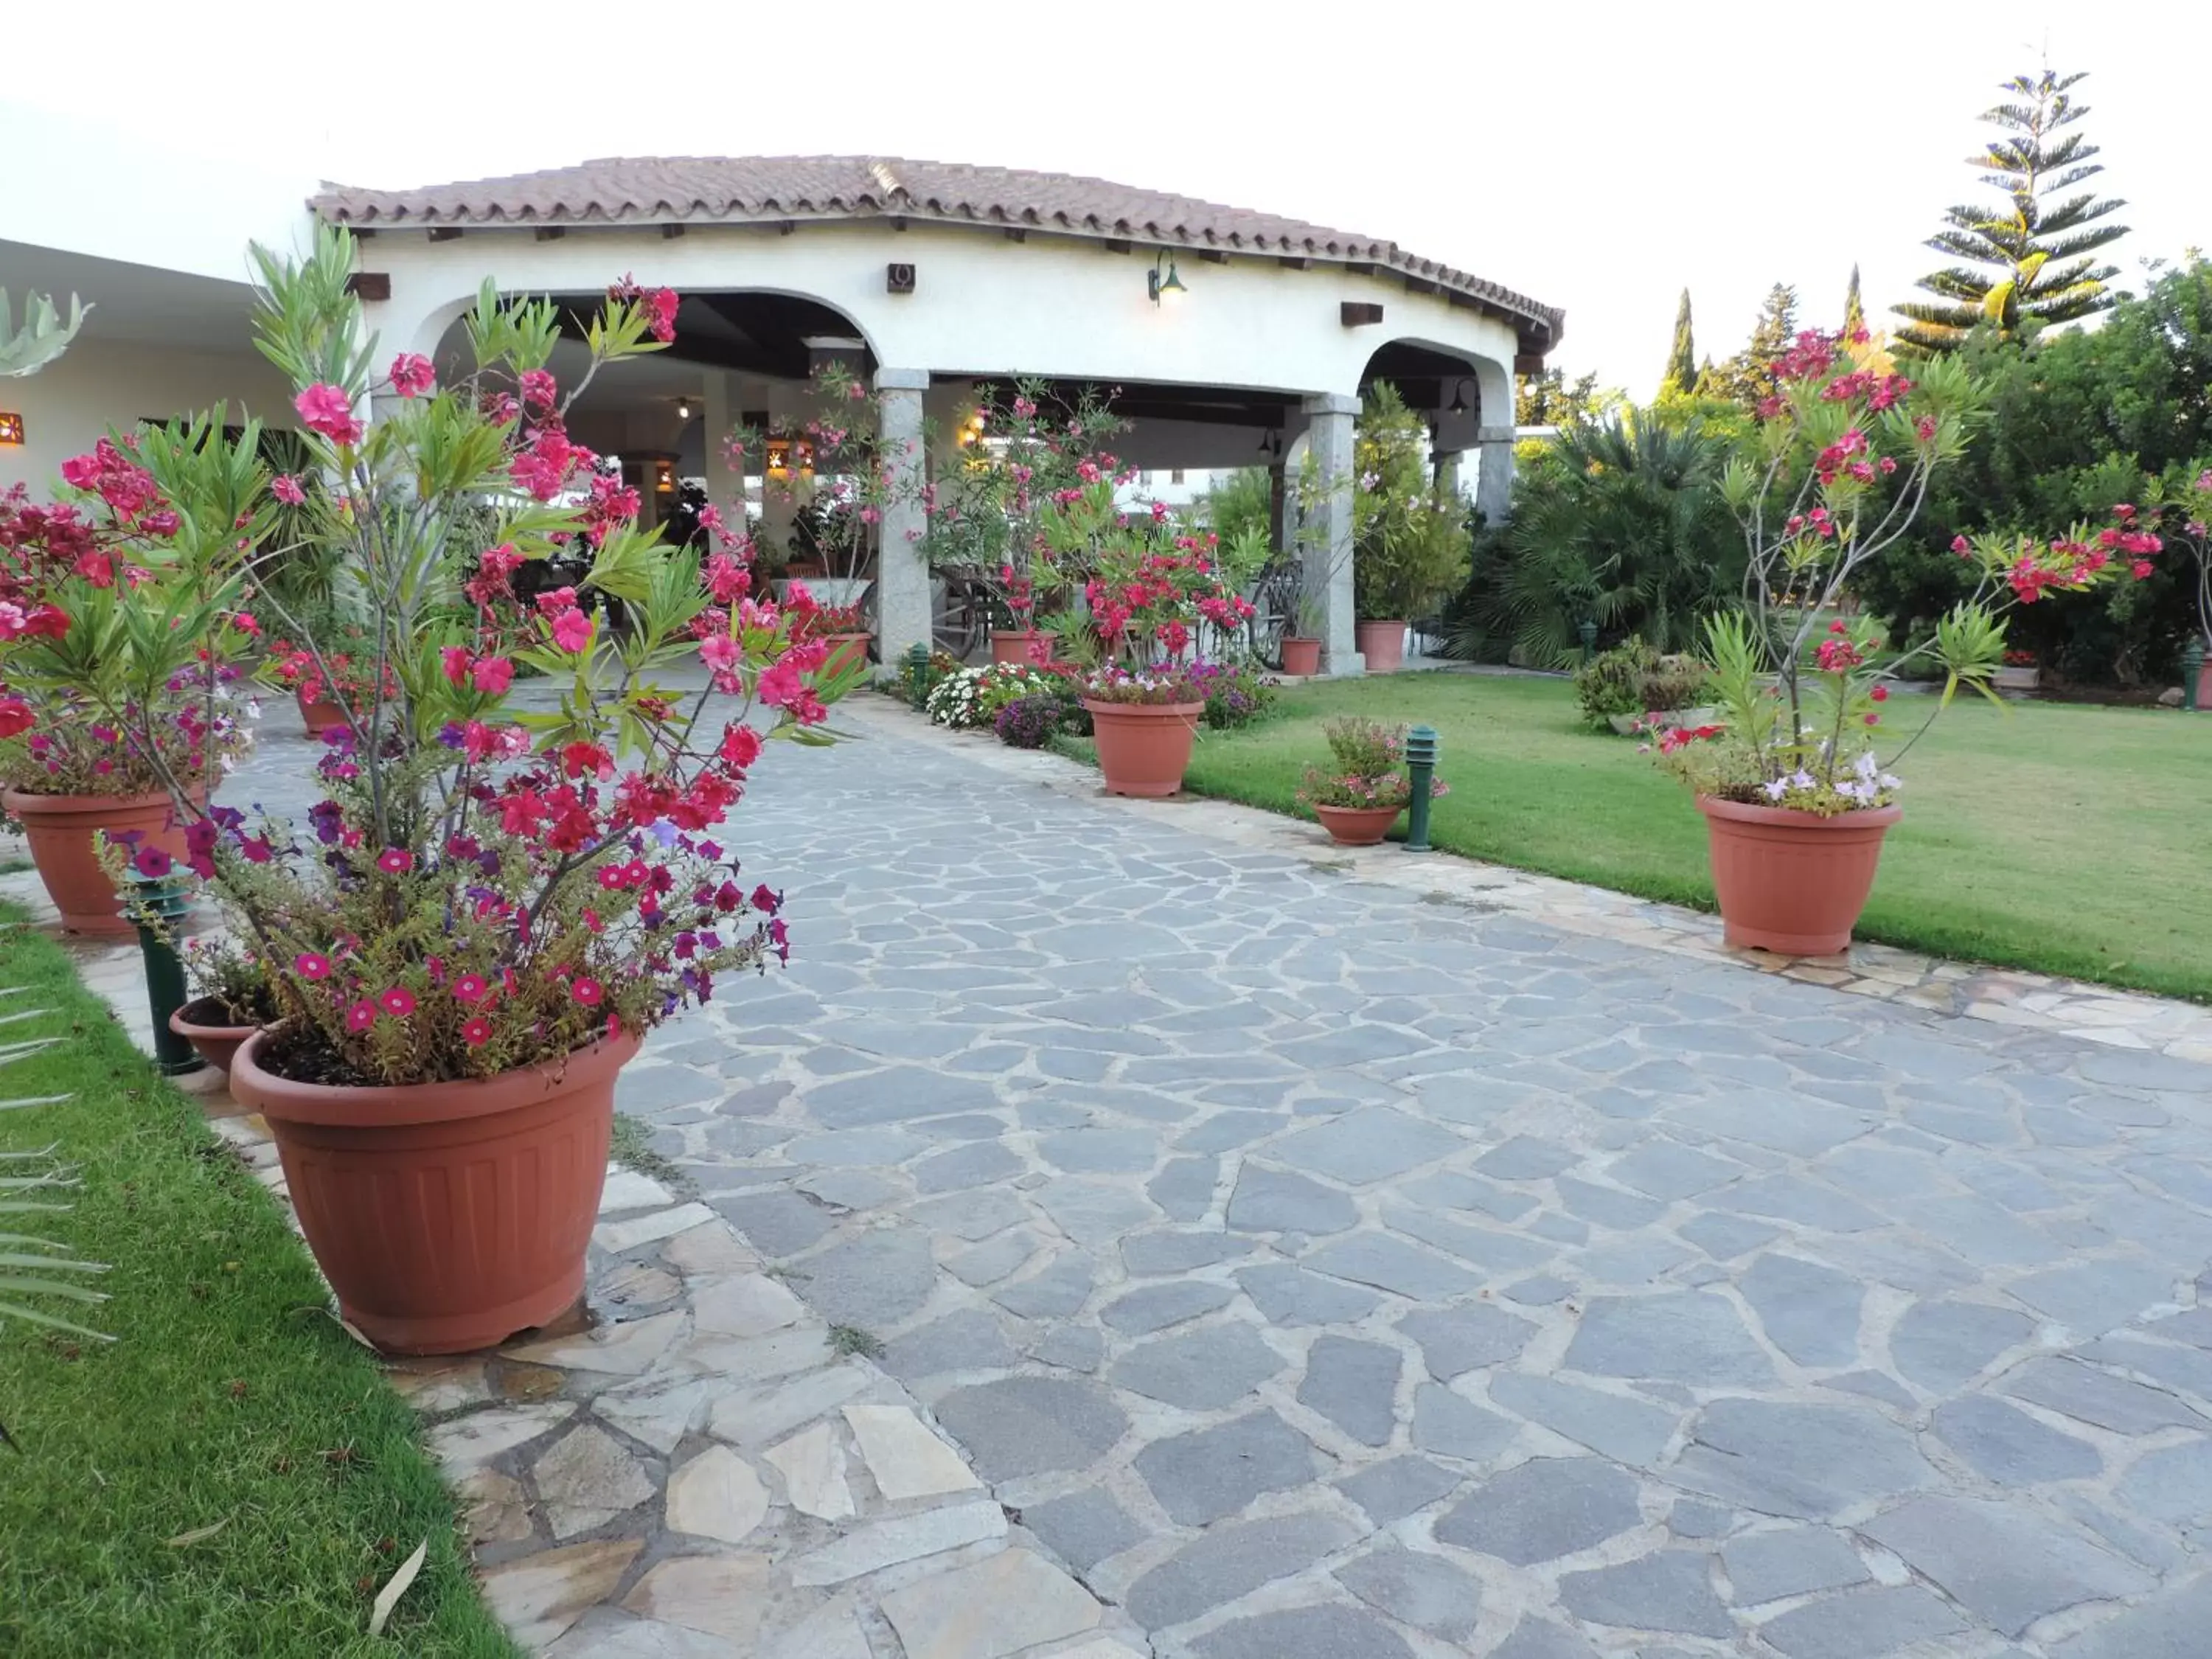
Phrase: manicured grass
{"type": "Point", "coordinates": [2066, 839]}
{"type": "Point", "coordinates": [225, 1397]}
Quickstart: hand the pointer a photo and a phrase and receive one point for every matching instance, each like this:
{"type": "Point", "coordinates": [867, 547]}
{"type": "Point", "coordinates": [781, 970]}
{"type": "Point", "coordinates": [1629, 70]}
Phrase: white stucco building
{"type": "Point", "coordinates": [935, 280]}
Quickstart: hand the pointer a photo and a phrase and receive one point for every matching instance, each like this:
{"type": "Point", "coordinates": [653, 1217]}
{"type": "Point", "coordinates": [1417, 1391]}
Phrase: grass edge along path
{"type": "Point", "coordinates": [2061, 839]}
{"type": "Point", "coordinates": [231, 1475]}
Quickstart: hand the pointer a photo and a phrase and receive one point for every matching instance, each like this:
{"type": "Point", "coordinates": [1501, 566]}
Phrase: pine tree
{"type": "Point", "coordinates": [1749, 377]}
{"type": "Point", "coordinates": [1854, 310]}
{"type": "Point", "coordinates": [2026, 259]}
{"type": "Point", "coordinates": [1681, 376]}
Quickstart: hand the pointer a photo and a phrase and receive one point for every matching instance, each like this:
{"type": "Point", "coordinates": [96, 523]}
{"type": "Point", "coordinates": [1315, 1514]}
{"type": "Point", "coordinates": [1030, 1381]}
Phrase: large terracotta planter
{"type": "Point", "coordinates": [1018, 647]}
{"type": "Point", "coordinates": [1382, 643]}
{"type": "Point", "coordinates": [446, 1216]}
{"type": "Point", "coordinates": [1144, 748]}
{"type": "Point", "coordinates": [320, 716]}
{"type": "Point", "coordinates": [60, 829]}
{"type": "Point", "coordinates": [2017, 681]}
{"type": "Point", "coordinates": [1301, 656]}
{"type": "Point", "coordinates": [2204, 688]}
{"type": "Point", "coordinates": [1792, 882]}
{"type": "Point", "coordinates": [1357, 826]}
{"type": "Point", "coordinates": [846, 651]}
{"type": "Point", "coordinates": [200, 1022]}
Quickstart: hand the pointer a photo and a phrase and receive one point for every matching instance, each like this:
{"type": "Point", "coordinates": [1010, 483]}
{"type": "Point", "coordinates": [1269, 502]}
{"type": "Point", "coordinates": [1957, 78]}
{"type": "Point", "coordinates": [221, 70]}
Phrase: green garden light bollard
{"type": "Point", "coordinates": [164, 971]}
{"type": "Point", "coordinates": [1421, 766]}
{"type": "Point", "coordinates": [917, 672]}
{"type": "Point", "coordinates": [1589, 632]}
{"type": "Point", "coordinates": [2192, 672]}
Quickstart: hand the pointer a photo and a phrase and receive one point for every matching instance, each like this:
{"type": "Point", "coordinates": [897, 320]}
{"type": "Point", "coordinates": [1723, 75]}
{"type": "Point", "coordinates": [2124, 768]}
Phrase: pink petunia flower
{"type": "Point", "coordinates": [308, 965]}
{"type": "Point", "coordinates": [398, 1002]}
{"type": "Point", "coordinates": [477, 1032]}
{"type": "Point", "coordinates": [587, 992]}
{"type": "Point", "coordinates": [469, 988]}
{"type": "Point", "coordinates": [361, 1017]}
{"type": "Point", "coordinates": [395, 860]}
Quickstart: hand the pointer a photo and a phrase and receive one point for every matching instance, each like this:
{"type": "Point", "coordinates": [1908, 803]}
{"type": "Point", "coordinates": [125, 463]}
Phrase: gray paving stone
{"type": "Point", "coordinates": [1100, 1151]}
{"type": "Point", "coordinates": [1093, 1213]}
{"type": "Point", "coordinates": [1083, 1528]}
{"type": "Point", "coordinates": [1942, 1346]}
{"type": "Point", "coordinates": [1771, 1566]}
{"type": "Point", "coordinates": [1525, 1158]}
{"type": "Point", "coordinates": [1542, 1510]}
{"type": "Point", "coordinates": [1450, 1190]}
{"type": "Point", "coordinates": [1366, 1146]}
{"type": "Point", "coordinates": [1561, 1229]}
{"type": "Point", "coordinates": [1184, 1186]}
{"type": "Point", "coordinates": [1875, 1385]}
{"type": "Point", "coordinates": [1206, 1474]}
{"type": "Point", "coordinates": [1540, 1638]}
{"type": "Point", "coordinates": [1724, 1237]}
{"type": "Point", "coordinates": [872, 1281]}
{"type": "Point", "coordinates": [1390, 1264]}
{"type": "Point", "coordinates": [1456, 1340]}
{"type": "Point", "coordinates": [1450, 1425]}
{"type": "Point", "coordinates": [970, 1215]}
{"type": "Point", "coordinates": [1225, 1131]}
{"type": "Point", "coordinates": [1021, 1425]}
{"type": "Point", "coordinates": [1424, 1591]}
{"type": "Point", "coordinates": [1326, 1631]}
{"type": "Point", "coordinates": [1692, 1337]}
{"type": "Point", "coordinates": [1277, 1201]}
{"type": "Point", "coordinates": [1156, 1307]}
{"type": "Point", "coordinates": [1198, 1370]}
{"type": "Point", "coordinates": [775, 1223]}
{"type": "Point", "coordinates": [1291, 1295]}
{"type": "Point", "coordinates": [2188, 1369]}
{"type": "Point", "coordinates": [1810, 1462]}
{"type": "Point", "coordinates": [2001, 1563]}
{"type": "Point", "coordinates": [1231, 1562]}
{"type": "Point", "coordinates": [896, 1094]}
{"type": "Point", "coordinates": [1691, 1519]}
{"type": "Point", "coordinates": [2093, 1297]}
{"type": "Point", "coordinates": [1389, 1492]}
{"type": "Point", "coordinates": [1071, 1347]}
{"type": "Point", "coordinates": [1863, 1624]}
{"type": "Point", "coordinates": [1810, 1312]}
{"type": "Point", "coordinates": [2172, 1484]}
{"type": "Point", "coordinates": [1054, 1291]}
{"type": "Point", "coordinates": [1353, 1384]}
{"type": "Point", "coordinates": [1541, 1291]}
{"type": "Point", "coordinates": [2003, 1444]}
{"type": "Point", "coordinates": [1801, 1202]}
{"type": "Point", "coordinates": [1150, 1253]}
{"type": "Point", "coordinates": [992, 1260]}
{"type": "Point", "coordinates": [2095, 1396]}
{"type": "Point", "coordinates": [1487, 1248]}
{"type": "Point", "coordinates": [1608, 1207]}
{"type": "Point", "coordinates": [1797, 1124]}
{"type": "Point", "coordinates": [1664, 1168]}
{"type": "Point", "coordinates": [2170, 1625]}
{"type": "Point", "coordinates": [1632, 1431]}
{"type": "Point", "coordinates": [1671, 1590]}
{"type": "Point", "coordinates": [968, 1340]}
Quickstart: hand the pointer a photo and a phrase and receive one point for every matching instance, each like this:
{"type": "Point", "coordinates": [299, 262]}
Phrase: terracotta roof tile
{"type": "Point", "coordinates": [663, 189]}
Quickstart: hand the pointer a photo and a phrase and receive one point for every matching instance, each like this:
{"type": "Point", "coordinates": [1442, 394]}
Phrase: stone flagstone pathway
{"type": "Point", "coordinates": [1275, 1258]}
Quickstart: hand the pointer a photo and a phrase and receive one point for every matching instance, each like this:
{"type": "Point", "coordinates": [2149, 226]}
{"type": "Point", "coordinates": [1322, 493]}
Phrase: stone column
{"type": "Point", "coordinates": [1328, 530]}
{"type": "Point", "coordinates": [902, 607]}
{"type": "Point", "coordinates": [1493, 480]}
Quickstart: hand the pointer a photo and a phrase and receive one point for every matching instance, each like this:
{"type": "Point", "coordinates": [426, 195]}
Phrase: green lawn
{"type": "Point", "coordinates": [2067, 839]}
{"type": "Point", "coordinates": [222, 1399]}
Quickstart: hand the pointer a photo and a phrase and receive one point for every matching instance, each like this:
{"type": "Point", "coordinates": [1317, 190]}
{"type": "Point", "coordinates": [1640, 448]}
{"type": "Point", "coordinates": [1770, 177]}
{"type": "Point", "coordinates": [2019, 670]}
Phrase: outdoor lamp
{"type": "Point", "coordinates": [1459, 399]}
{"type": "Point", "coordinates": [1161, 286]}
{"type": "Point", "coordinates": [683, 409]}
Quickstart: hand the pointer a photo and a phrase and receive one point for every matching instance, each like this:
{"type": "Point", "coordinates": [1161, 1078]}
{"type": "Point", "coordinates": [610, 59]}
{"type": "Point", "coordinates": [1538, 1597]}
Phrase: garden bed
{"type": "Point", "coordinates": [231, 1474]}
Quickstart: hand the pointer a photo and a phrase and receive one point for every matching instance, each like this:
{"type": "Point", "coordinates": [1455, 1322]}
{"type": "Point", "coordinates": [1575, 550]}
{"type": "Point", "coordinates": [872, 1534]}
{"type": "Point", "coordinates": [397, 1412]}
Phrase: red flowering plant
{"type": "Point", "coordinates": [1835, 472]}
{"type": "Point", "coordinates": [116, 676]}
{"type": "Point", "coordinates": [1367, 768]}
{"type": "Point", "coordinates": [2188, 514]}
{"type": "Point", "coordinates": [1153, 593]}
{"type": "Point", "coordinates": [486, 882]}
{"type": "Point", "coordinates": [344, 671]}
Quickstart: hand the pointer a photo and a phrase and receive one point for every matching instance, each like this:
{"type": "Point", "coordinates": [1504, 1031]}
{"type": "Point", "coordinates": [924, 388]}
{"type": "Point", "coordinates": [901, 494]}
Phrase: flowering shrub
{"type": "Point", "coordinates": [2189, 515]}
{"type": "Point", "coordinates": [1367, 767]}
{"type": "Point", "coordinates": [219, 968]}
{"type": "Point", "coordinates": [1235, 694]}
{"type": "Point", "coordinates": [973, 696]}
{"type": "Point", "coordinates": [481, 887]}
{"type": "Point", "coordinates": [343, 671]}
{"type": "Point", "coordinates": [1029, 722]}
{"type": "Point", "coordinates": [1841, 462]}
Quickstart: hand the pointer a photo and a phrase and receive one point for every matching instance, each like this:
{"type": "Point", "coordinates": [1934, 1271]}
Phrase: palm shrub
{"type": "Point", "coordinates": [1621, 522]}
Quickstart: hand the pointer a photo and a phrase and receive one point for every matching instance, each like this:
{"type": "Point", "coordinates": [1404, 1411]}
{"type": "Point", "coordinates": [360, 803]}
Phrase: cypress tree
{"type": "Point", "coordinates": [2027, 258]}
{"type": "Point", "coordinates": [1854, 312]}
{"type": "Point", "coordinates": [1681, 375]}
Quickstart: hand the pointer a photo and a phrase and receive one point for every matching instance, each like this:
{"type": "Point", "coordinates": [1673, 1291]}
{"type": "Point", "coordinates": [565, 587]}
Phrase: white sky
{"type": "Point", "coordinates": [1599, 156]}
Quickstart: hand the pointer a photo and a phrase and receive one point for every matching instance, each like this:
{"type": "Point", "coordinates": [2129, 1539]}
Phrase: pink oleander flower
{"type": "Point", "coordinates": [572, 630]}
{"type": "Point", "coordinates": [326, 409]}
{"type": "Point", "coordinates": [286, 489]}
{"type": "Point", "coordinates": [412, 376]}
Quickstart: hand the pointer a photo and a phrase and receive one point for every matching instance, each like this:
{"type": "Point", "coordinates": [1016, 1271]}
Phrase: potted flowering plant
{"type": "Point", "coordinates": [333, 685]}
{"type": "Point", "coordinates": [1795, 794]}
{"type": "Point", "coordinates": [2189, 515]}
{"type": "Point", "coordinates": [492, 901]}
{"type": "Point", "coordinates": [1410, 533]}
{"type": "Point", "coordinates": [1150, 590]}
{"type": "Point", "coordinates": [232, 999]}
{"type": "Point", "coordinates": [115, 700]}
{"type": "Point", "coordinates": [2018, 674]}
{"type": "Point", "coordinates": [842, 629]}
{"type": "Point", "coordinates": [1358, 796]}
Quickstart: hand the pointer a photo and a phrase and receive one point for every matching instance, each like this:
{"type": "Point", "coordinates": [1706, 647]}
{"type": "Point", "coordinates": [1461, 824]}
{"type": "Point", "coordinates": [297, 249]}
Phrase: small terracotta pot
{"type": "Point", "coordinates": [1301, 656]}
{"type": "Point", "coordinates": [2204, 688]}
{"type": "Point", "coordinates": [1382, 643]}
{"type": "Point", "coordinates": [215, 1043]}
{"type": "Point", "coordinates": [446, 1216]}
{"type": "Point", "coordinates": [1011, 647]}
{"type": "Point", "coordinates": [1144, 748]}
{"type": "Point", "coordinates": [1792, 882]}
{"type": "Point", "coordinates": [846, 651]}
{"type": "Point", "coordinates": [320, 717]}
{"type": "Point", "coordinates": [1357, 826]}
{"type": "Point", "coordinates": [60, 830]}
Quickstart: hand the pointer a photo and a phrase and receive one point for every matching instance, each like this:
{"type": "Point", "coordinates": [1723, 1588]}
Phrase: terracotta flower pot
{"type": "Point", "coordinates": [1301, 656]}
{"type": "Point", "coordinates": [846, 651]}
{"type": "Point", "coordinates": [198, 1022]}
{"type": "Point", "coordinates": [320, 717]}
{"type": "Point", "coordinates": [1357, 826]}
{"type": "Point", "coordinates": [1013, 646]}
{"type": "Point", "coordinates": [1382, 643]}
{"type": "Point", "coordinates": [446, 1216]}
{"type": "Point", "coordinates": [2204, 687]}
{"type": "Point", "coordinates": [2018, 680]}
{"type": "Point", "coordinates": [1144, 748]}
{"type": "Point", "coordinates": [1793, 882]}
{"type": "Point", "coordinates": [60, 830]}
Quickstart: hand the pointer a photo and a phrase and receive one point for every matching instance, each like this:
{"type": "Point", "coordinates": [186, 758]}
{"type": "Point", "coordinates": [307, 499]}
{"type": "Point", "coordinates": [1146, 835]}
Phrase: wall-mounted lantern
{"type": "Point", "coordinates": [1161, 282]}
